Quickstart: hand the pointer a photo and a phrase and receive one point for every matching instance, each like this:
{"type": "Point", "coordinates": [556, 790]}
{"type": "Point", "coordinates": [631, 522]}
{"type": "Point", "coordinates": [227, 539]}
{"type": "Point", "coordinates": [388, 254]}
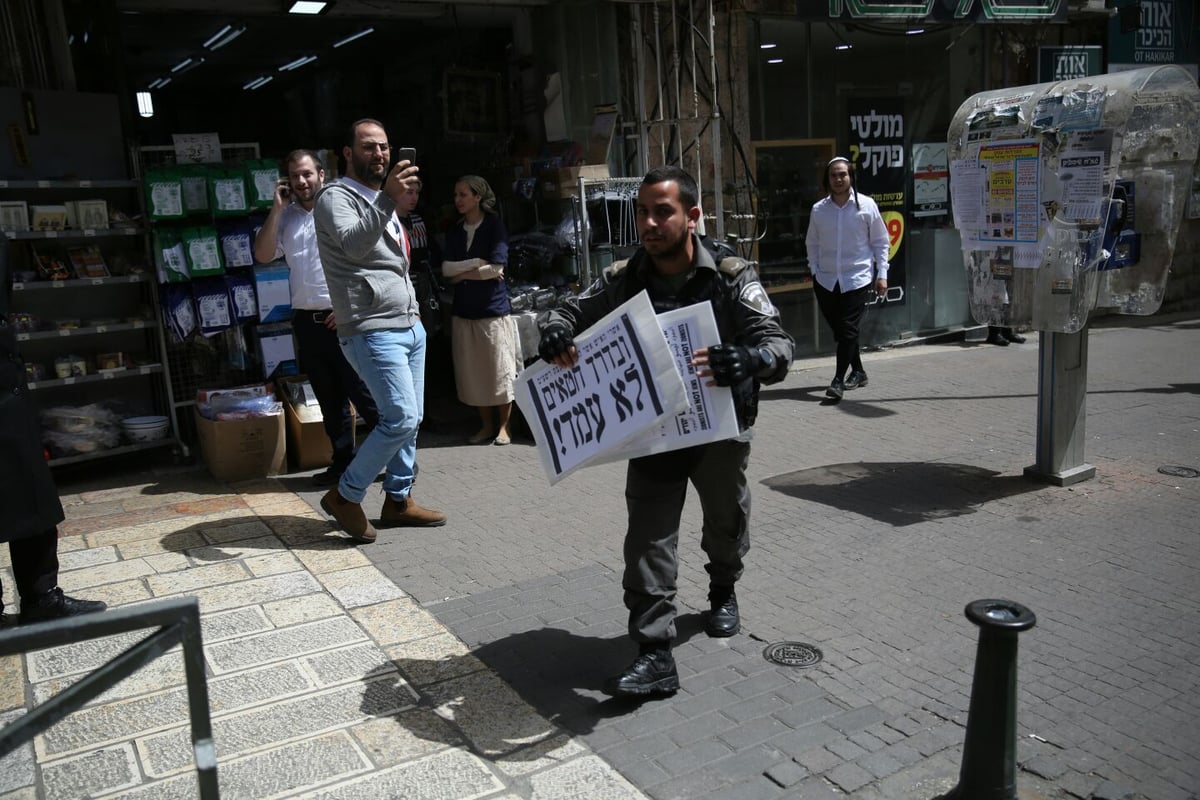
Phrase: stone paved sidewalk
{"type": "Point", "coordinates": [326, 680]}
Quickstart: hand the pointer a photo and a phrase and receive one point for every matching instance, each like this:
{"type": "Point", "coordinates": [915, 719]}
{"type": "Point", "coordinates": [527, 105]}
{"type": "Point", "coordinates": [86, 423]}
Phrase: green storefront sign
{"type": "Point", "coordinates": [1068, 63]}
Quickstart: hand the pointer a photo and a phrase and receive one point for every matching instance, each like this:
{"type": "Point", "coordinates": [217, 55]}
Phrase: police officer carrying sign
{"type": "Point", "coordinates": [676, 269]}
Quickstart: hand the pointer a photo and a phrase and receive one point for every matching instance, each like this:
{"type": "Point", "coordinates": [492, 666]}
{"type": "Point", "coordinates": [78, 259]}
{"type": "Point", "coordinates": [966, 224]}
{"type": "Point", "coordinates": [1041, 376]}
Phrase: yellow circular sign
{"type": "Point", "coordinates": [894, 221]}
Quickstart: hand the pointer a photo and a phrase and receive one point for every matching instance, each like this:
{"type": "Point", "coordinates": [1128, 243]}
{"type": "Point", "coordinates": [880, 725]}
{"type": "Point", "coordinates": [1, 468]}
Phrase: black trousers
{"type": "Point", "coordinates": [35, 563]}
{"type": "Point", "coordinates": [334, 382]}
{"type": "Point", "coordinates": [655, 489]}
{"type": "Point", "coordinates": [843, 311]}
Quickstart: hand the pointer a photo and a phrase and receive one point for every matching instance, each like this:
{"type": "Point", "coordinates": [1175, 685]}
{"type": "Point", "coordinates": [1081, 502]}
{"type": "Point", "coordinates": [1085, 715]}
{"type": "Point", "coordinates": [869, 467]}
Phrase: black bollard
{"type": "Point", "coordinates": [989, 760]}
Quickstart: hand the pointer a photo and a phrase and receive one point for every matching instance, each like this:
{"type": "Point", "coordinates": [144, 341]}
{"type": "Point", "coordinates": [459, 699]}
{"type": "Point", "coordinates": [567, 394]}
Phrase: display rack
{"type": "Point", "coordinates": [194, 364]}
{"type": "Point", "coordinates": [583, 223]}
{"type": "Point", "coordinates": [90, 317]}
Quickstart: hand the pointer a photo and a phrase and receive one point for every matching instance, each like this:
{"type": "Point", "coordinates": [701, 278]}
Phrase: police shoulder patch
{"type": "Point", "coordinates": [755, 297]}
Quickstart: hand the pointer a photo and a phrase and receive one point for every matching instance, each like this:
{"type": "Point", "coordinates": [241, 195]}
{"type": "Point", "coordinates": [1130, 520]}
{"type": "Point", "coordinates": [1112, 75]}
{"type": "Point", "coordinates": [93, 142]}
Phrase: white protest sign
{"type": "Point", "coordinates": [624, 382]}
{"type": "Point", "coordinates": [710, 415]}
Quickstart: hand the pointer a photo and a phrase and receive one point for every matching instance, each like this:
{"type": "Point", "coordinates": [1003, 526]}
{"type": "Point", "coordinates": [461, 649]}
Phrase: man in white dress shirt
{"type": "Point", "coordinates": [289, 232]}
{"type": "Point", "coordinates": [848, 255]}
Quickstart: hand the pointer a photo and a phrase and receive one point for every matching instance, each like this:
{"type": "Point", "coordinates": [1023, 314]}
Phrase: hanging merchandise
{"type": "Point", "coordinates": [194, 178]}
{"type": "Point", "coordinates": [170, 261]}
{"type": "Point", "coordinates": [262, 176]}
{"type": "Point", "coordinates": [212, 305]}
{"type": "Point", "coordinates": [179, 311]}
{"type": "Point", "coordinates": [164, 194]}
{"type": "Point", "coordinates": [237, 243]}
{"type": "Point", "coordinates": [203, 251]}
{"type": "Point", "coordinates": [242, 299]}
{"type": "Point", "coordinates": [227, 192]}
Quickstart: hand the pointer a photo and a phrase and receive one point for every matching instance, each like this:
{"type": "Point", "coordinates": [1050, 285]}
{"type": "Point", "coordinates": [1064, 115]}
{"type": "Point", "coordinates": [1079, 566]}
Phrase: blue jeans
{"type": "Point", "coordinates": [392, 365]}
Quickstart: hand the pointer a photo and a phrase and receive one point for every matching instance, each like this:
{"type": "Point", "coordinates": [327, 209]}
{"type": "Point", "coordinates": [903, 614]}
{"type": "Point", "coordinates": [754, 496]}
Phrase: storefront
{"type": "Point", "coordinates": [880, 88]}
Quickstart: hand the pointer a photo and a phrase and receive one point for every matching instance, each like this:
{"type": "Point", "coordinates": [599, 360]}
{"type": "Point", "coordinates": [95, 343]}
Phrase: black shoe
{"type": "Point", "coordinates": [329, 477]}
{"type": "Point", "coordinates": [56, 605]}
{"type": "Point", "coordinates": [855, 379]}
{"type": "Point", "coordinates": [1014, 337]}
{"type": "Point", "coordinates": [997, 339]}
{"type": "Point", "coordinates": [836, 389]}
{"type": "Point", "coordinates": [653, 672]}
{"type": "Point", "coordinates": [723, 618]}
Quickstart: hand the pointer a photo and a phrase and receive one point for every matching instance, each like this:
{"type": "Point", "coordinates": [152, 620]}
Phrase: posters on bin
{"type": "Point", "coordinates": [624, 382]}
{"type": "Point", "coordinates": [710, 415]}
{"type": "Point", "coordinates": [1012, 192]}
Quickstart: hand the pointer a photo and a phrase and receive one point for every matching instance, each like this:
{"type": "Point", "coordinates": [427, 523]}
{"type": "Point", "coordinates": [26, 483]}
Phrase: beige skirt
{"type": "Point", "coordinates": [485, 359]}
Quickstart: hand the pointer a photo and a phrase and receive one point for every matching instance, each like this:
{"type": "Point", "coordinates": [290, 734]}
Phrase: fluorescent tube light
{"type": "Point", "coordinates": [354, 36]}
{"type": "Point", "coordinates": [843, 46]}
{"type": "Point", "coordinates": [914, 31]}
{"type": "Point", "coordinates": [259, 82]}
{"type": "Point", "coordinates": [181, 65]}
{"type": "Point", "coordinates": [767, 45]}
{"type": "Point", "coordinates": [774, 60]}
{"type": "Point", "coordinates": [224, 36]}
{"type": "Point", "coordinates": [145, 104]}
{"type": "Point", "coordinates": [299, 62]}
{"type": "Point", "coordinates": [218, 35]}
{"type": "Point", "coordinates": [306, 7]}
{"type": "Point", "coordinates": [252, 83]}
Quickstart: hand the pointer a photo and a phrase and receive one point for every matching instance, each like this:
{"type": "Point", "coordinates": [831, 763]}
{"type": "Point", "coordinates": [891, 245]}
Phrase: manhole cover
{"type": "Point", "coordinates": [793, 654]}
{"type": "Point", "coordinates": [1180, 472]}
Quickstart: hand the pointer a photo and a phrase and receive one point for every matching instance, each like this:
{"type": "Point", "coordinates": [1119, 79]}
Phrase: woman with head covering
{"type": "Point", "coordinates": [483, 337]}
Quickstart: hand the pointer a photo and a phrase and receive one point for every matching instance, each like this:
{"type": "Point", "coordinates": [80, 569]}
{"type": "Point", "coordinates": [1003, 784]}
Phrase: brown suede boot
{"type": "Point", "coordinates": [349, 516]}
{"type": "Point", "coordinates": [406, 513]}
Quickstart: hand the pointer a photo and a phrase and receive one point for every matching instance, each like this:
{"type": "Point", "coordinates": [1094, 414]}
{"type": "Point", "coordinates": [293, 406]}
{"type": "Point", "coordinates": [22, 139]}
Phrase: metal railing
{"type": "Point", "coordinates": [178, 621]}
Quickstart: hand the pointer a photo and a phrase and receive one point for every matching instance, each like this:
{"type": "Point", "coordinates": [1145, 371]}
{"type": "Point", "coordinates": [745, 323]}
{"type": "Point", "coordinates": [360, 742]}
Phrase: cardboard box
{"type": "Point", "coordinates": [274, 293]}
{"type": "Point", "coordinates": [308, 446]}
{"type": "Point", "coordinates": [242, 449]}
{"type": "Point", "coordinates": [14, 215]}
{"type": "Point", "coordinates": [564, 181]}
{"type": "Point", "coordinates": [47, 218]}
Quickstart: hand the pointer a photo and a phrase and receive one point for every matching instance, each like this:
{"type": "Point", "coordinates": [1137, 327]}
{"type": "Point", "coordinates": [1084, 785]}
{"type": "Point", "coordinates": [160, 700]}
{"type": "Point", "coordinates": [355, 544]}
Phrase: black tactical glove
{"type": "Point", "coordinates": [733, 363]}
{"type": "Point", "coordinates": [556, 340]}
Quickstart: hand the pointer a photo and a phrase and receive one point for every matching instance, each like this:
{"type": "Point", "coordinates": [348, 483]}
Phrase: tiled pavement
{"type": "Point", "coordinates": [464, 661]}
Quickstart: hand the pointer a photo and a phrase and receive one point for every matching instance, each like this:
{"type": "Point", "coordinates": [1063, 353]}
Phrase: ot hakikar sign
{"type": "Point", "coordinates": [935, 10]}
{"type": "Point", "coordinates": [1165, 34]}
{"type": "Point", "coordinates": [1068, 63]}
{"type": "Point", "coordinates": [881, 171]}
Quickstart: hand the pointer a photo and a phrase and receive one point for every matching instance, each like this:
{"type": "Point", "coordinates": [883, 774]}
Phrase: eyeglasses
{"type": "Point", "coordinates": [371, 147]}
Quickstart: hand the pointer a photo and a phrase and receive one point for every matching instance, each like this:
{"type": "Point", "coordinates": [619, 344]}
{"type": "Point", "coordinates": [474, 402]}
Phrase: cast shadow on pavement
{"type": "Point", "coordinates": [230, 539]}
{"type": "Point", "coordinates": [901, 493]}
{"type": "Point", "coordinates": [554, 671]}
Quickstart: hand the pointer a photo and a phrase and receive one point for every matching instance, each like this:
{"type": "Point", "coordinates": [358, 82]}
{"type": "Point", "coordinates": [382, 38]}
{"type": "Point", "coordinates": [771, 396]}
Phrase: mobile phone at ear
{"type": "Point", "coordinates": [408, 154]}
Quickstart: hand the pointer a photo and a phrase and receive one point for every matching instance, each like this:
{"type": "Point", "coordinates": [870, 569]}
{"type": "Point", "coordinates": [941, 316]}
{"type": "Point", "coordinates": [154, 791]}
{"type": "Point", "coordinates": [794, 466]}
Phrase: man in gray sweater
{"type": "Point", "coordinates": [366, 255]}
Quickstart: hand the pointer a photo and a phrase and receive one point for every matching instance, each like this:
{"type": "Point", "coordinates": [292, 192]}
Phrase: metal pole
{"type": "Point", "coordinates": [989, 762]}
{"type": "Point", "coordinates": [718, 158]}
{"type": "Point", "coordinates": [635, 18]}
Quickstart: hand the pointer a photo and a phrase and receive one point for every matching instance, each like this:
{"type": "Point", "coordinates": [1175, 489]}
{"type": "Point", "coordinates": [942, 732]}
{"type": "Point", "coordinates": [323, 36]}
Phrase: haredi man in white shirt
{"type": "Point", "coordinates": [848, 255]}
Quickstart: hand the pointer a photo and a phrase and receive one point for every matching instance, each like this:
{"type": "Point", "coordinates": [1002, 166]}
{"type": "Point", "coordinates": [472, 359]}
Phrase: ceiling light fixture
{"type": "Point", "coordinates": [843, 46]}
{"type": "Point", "coordinates": [158, 83]}
{"type": "Point", "coordinates": [224, 36]}
{"type": "Point", "coordinates": [299, 62]}
{"type": "Point", "coordinates": [259, 82]}
{"type": "Point", "coordinates": [306, 6]}
{"type": "Point", "coordinates": [353, 36]}
{"type": "Point", "coordinates": [145, 104]}
{"type": "Point", "coordinates": [767, 45]}
{"type": "Point", "coordinates": [774, 60]}
{"type": "Point", "coordinates": [914, 31]}
{"type": "Point", "coordinates": [181, 65]}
